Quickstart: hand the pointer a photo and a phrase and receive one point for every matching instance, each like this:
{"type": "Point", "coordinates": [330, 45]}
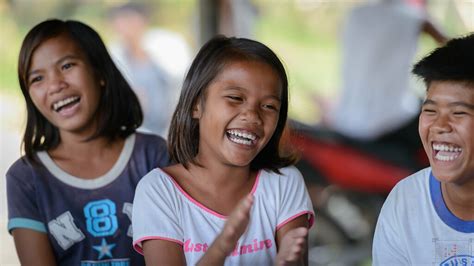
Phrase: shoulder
{"type": "Point", "coordinates": [22, 168]}
{"type": "Point", "coordinates": [290, 171]}
{"type": "Point", "coordinates": [146, 139]}
{"type": "Point", "coordinates": [287, 174]}
{"type": "Point", "coordinates": [288, 179]}
{"type": "Point", "coordinates": [418, 181]}
{"type": "Point", "coordinates": [152, 147]}
{"type": "Point", "coordinates": [159, 188]}
{"type": "Point", "coordinates": [409, 193]}
{"type": "Point", "coordinates": [23, 175]}
{"type": "Point", "coordinates": [155, 180]}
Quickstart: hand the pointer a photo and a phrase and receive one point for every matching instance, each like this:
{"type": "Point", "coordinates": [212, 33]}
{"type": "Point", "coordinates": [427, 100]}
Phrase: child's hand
{"type": "Point", "coordinates": [227, 239]}
{"type": "Point", "coordinates": [292, 247]}
{"type": "Point", "coordinates": [235, 225]}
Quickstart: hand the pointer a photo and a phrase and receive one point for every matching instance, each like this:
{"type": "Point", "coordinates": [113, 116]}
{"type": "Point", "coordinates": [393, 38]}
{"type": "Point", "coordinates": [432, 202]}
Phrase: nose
{"type": "Point", "coordinates": [55, 82]}
{"type": "Point", "coordinates": [441, 124]}
{"type": "Point", "coordinates": [251, 115]}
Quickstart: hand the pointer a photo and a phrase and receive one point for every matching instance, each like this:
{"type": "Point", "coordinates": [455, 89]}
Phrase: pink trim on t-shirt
{"type": "Point", "coordinates": [139, 249]}
{"type": "Point", "coordinates": [310, 219]}
{"type": "Point", "coordinates": [198, 203]}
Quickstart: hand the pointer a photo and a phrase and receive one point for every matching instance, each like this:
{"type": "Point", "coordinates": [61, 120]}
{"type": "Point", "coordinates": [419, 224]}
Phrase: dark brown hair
{"type": "Point", "coordinates": [119, 112]}
{"type": "Point", "coordinates": [183, 137]}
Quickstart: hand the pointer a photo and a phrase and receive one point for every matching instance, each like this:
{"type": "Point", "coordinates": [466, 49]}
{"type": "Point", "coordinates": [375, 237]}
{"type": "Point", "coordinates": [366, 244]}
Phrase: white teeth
{"type": "Point", "coordinates": [241, 134]}
{"type": "Point", "coordinates": [445, 158]}
{"type": "Point", "coordinates": [241, 137]}
{"type": "Point", "coordinates": [446, 153]}
{"type": "Point", "coordinates": [63, 102]}
{"type": "Point", "coordinates": [442, 147]}
{"type": "Point", "coordinates": [241, 141]}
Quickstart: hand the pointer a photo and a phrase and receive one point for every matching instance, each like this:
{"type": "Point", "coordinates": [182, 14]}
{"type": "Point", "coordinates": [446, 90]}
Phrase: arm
{"type": "Point", "coordinates": [294, 218]}
{"type": "Point", "coordinates": [33, 248]}
{"type": "Point", "coordinates": [159, 242]}
{"type": "Point", "coordinates": [291, 241]}
{"type": "Point", "coordinates": [163, 252]}
{"type": "Point", "coordinates": [434, 31]}
{"type": "Point", "coordinates": [24, 220]}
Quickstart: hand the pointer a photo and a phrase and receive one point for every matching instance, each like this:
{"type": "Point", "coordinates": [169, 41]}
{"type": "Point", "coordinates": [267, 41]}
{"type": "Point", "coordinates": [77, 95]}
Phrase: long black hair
{"type": "Point", "coordinates": [119, 112]}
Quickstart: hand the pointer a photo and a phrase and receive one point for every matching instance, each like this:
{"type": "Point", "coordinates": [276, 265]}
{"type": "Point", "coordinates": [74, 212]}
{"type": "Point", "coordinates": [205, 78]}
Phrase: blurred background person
{"type": "Point", "coordinates": [379, 43]}
{"type": "Point", "coordinates": [153, 60]}
{"type": "Point", "coordinates": [237, 18]}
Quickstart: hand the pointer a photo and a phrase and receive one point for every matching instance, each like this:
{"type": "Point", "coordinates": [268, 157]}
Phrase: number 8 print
{"type": "Point", "coordinates": [100, 218]}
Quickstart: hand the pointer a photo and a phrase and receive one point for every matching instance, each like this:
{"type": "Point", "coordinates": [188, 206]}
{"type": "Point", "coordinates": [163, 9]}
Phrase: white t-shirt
{"type": "Point", "coordinates": [163, 210]}
{"type": "Point", "coordinates": [379, 42]}
{"type": "Point", "coordinates": [416, 228]}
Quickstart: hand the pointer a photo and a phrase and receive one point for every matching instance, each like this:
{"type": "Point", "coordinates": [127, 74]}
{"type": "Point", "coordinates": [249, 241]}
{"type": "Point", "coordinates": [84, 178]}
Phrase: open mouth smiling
{"type": "Point", "coordinates": [64, 103]}
{"type": "Point", "coordinates": [242, 137]}
{"type": "Point", "coordinates": [446, 152]}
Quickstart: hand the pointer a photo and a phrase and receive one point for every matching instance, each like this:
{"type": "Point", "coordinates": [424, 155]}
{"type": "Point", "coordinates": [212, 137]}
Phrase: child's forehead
{"type": "Point", "coordinates": [250, 66]}
{"type": "Point", "coordinates": [451, 84]}
{"type": "Point", "coordinates": [459, 90]}
{"type": "Point", "coordinates": [55, 45]}
{"type": "Point", "coordinates": [58, 42]}
{"type": "Point", "coordinates": [248, 70]}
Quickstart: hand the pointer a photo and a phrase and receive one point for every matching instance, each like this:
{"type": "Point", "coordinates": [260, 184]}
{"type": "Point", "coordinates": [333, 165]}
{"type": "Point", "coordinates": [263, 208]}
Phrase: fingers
{"type": "Point", "coordinates": [236, 224]}
{"type": "Point", "coordinates": [293, 246]}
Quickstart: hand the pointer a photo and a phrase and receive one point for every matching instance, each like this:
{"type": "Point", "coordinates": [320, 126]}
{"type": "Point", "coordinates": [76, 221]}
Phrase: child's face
{"type": "Point", "coordinates": [239, 114]}
{"type": "Point", "coordinates": [62, 85]}
{"type": "Point", "coordinates": [446, 130]}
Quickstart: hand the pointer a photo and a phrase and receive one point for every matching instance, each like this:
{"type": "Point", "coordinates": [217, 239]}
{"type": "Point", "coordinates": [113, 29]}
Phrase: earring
{"type": "Point", "coordinates": [102, 83]}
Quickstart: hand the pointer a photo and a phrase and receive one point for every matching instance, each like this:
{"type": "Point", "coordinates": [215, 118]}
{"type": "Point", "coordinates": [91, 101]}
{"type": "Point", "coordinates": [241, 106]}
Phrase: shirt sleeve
{"type": "Point", "coordinates": [294, 198]}
{"type": "Point", "coordinates": [156, 210]}
{"type": "Point", "coordinates": [23, 210]}
{"type": "Point", "coordinates": [388, 248]}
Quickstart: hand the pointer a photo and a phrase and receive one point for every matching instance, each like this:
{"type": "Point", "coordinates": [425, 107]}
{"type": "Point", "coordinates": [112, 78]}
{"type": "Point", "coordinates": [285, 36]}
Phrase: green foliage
{"type": "Point", "coordinates": [308, 47]}
{"type": "Point", "coordinates": [9, 49]}
{"type": "Point", "coordinates": [305, 34]}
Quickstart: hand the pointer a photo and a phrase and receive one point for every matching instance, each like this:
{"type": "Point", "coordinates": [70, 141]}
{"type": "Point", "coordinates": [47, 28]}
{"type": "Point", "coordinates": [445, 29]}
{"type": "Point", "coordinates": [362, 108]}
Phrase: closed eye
{"type": "Point", "coordinates": [234, 98]}
{"type": "Point", "coordinates": [429, 111]}
{"type": "Point", "coordinates": [271, 107]}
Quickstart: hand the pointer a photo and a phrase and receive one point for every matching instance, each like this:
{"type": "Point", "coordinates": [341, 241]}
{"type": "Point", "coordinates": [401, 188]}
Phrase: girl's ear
{"type": "Point", "coordinates": [197, 110]}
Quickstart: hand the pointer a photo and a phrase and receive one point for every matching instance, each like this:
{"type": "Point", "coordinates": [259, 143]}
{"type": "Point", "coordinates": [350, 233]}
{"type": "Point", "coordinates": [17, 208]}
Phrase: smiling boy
{"type": "Point", "coordinates": [428, 218]}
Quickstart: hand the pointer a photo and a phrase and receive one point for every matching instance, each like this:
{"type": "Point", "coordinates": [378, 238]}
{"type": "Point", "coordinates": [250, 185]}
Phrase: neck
{"type": "Point", "coordinates": [459, 199]}
{"type": "Point", "coordinates": [80, 147]}
{"type": "Point", "coordinates": [222, 176]}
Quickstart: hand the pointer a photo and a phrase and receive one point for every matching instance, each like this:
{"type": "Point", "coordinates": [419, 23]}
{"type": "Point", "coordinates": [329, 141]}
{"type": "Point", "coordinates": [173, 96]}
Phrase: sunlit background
{"type": "Point", "coordinates": [304, 33]}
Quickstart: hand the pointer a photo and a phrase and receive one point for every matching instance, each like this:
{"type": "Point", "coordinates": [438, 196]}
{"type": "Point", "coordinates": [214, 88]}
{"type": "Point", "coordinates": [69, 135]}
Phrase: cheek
{"type": "Point", "coordinates": [36, 97]}
{"type": "Point", "coordinates": [423, 126]}
{"type": "Point", "coordinates": [465, 131]}
{"type": "Point", "coordinates": [272, 123]}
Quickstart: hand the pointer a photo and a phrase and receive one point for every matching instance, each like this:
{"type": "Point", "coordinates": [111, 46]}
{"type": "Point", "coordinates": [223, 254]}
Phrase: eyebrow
{"type": "Point", "coordinates": [62, 59]}
{"type": "Point", "coordinates": [463, 104]}
{"type": "Point", "coordinates": [236, 88]}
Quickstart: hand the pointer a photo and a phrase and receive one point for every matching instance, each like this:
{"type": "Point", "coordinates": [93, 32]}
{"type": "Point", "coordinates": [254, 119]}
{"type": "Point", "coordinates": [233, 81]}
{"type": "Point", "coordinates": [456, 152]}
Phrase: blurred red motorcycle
{"type": "Point", "coordinates": [348, 182]}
